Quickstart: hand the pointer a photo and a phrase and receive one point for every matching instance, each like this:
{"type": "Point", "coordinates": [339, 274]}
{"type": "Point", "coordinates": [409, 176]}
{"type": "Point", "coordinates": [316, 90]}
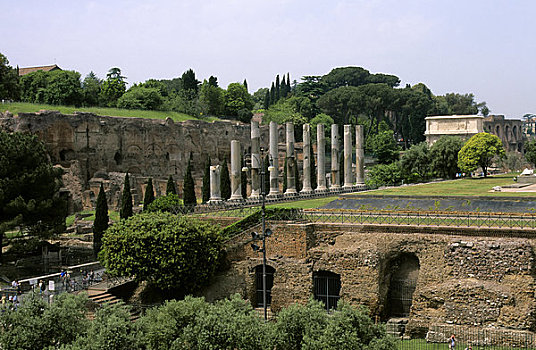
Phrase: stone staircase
{"type": "Point", "coordinates": [100, 296]}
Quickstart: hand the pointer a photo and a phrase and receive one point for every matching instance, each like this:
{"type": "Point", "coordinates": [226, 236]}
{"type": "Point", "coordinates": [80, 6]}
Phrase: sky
{"type": "Point", "coordinates": [484, 47]}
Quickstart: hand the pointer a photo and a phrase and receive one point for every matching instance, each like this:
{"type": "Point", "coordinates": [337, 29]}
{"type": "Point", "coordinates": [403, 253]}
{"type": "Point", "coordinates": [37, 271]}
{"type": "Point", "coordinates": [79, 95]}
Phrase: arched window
{"type": "Point", "coordinates": [327, 288]}
{"type": "Point", "coordinates": [498, 131]}
{"type": "Point", "coordinates": [259, 302]}
{"type": "Point", "coordinates": [404, 271]}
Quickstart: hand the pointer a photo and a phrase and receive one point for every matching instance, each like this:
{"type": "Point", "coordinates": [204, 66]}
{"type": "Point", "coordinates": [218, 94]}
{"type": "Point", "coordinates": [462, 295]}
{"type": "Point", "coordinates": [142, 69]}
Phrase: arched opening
{"type": "Point", "coordinates": [403, 273]}
{"type": "Point", "coordinates": [66, 155]}
{"type": "Point", "coordinates": [327, 288]}
{"type": "Point", "coordinates": [259, 301]}
{"type": "Point", "coordinates": [498, 131]}
{"type": "Point", "coordinates": [514, 133]}
{"type": "Point", "coordinates": [118, 158]}
{"type": "Point", "coordinates": [507, 133]}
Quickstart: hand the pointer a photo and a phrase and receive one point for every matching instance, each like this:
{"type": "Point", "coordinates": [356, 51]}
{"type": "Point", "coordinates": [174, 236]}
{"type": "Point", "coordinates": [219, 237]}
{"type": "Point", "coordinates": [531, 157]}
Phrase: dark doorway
{"type": "Point", "coordinates": [404, 273]}
{"type": "Point", "coordinates": [258, 285]}
{"type": "Point", "coordinates": [327, 288]}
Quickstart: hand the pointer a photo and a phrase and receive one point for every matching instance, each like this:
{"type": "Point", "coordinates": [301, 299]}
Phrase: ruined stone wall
{"type": "Point", "coordinates": [96, 146]}
{"type": "Point", "coordinates": [465, 277]}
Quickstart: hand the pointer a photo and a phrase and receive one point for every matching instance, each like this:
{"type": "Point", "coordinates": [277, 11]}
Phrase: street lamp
{"type": "Point", "coordinates": [265, 232]}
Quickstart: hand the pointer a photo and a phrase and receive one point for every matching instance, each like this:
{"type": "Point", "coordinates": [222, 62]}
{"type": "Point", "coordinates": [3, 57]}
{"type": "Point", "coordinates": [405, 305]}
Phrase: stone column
{"type": "Point", "coordinates": [274, 153]}
{"type": "Point", "coordinates": [306, 159]}
{"type": "Point", "coordinates": [291, 181]}
{"type": "Point", "coordinates": [359, 155]}
{"type": "Point", "coordinates": [335, 178]}
{"type": "Point", "coordinates": [255, 160]}
{"type": "Point", "coordinates": [321, 158]}
{"type": "Point", "coordinates": [348, 182]}
{"type": "Point", "coordinates": [236, 188]}
{"type": "Point", "coordinates": [215, 191]}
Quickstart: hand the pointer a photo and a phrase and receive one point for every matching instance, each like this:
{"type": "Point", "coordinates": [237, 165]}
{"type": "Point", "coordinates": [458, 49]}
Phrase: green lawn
{"type": "Point", "coordinates": [305, 204]}
{"type": "Point", "coordinates": [21, 107]}
{"type": "Point", "coordinates": [461, 187]}
{"type": "Point", "coordinates": [113, 215]}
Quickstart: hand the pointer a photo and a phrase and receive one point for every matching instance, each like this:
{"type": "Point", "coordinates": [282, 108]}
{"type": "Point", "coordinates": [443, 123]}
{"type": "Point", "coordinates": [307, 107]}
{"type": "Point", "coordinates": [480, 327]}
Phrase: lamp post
{"type": "Point", "coordinates": [265, 233]}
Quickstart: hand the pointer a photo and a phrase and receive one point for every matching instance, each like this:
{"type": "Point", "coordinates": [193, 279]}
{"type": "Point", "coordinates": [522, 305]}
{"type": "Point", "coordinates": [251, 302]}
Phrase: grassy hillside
{"type": "Point", "coordinates": [20, 107]}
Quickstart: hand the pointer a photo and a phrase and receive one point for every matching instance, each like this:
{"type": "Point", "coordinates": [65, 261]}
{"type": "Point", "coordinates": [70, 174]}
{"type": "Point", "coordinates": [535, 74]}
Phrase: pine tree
{"type": "Point", "coordinates": [244, 180]}
{"type": "Point", "coordinates": [148, 198]}
{"type": "Point", "coordinates": [101, 220]}
{"type": "Point", "coordinates": [170, 187]}
{"type": "Point", "coordinates": [189, 187]}
{"type": "Point", "coordinates": [277, 88]}
{"type": "Point", "coordinates": [225, 181]}
{"type": "Point", "coordinates": [246, 84]}
{"type": "Point", "coordinates": [126, 200]}
{"type": "Point", "coordinates": [297, 176]}
{"type": "Point", "coordinates": [266, 174]}
{"type": "Point", "coordinates": [289, 89]}
{"type": "Point", "coordinates": [206, 182]}
{"type": "Point", "coordinates": [314, 182]}
{"type": "Point", "coordinates": [285, 176]}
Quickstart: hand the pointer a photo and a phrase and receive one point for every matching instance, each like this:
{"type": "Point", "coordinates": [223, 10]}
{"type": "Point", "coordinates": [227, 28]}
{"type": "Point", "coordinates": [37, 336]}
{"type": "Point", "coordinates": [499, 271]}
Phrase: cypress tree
{"type": "Point", "coordinates": [170, 187]}
{"type": "Point", "coordinates": [297, 175]}
{"type": "Point", "coordinates": [246, 84]}
{"type": "Point", "coordinates": [285, 176]}
{"type": "Point", "coordinates": [314, 182]}
{"type": "Point", "coordinates": [288, 83]}
{"type": "Point", "coordinates": [189, 187]}
{"type": "Point", "coordinates": [272, 94]}
{"type": "Point", "coordinates": [225, 181]}
{"type": "Point", "coordinates": [244, 180]}
{"type": "Point", "coordinates": [267, 100]}
{"type": "Point", "coordinates": [148, 198]}
{"type": "Point", "coordinates": [206, 182]}
{"type": "Point", "coordinates": [277, 88]}
{"type": "Point", "coordinates": [126, 200]}
{"type": "Point", "coordinates": [101, 220]}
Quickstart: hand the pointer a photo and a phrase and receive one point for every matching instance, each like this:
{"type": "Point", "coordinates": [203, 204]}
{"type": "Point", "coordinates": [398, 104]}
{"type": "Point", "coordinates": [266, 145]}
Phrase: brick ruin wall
{"type": "Point", "coordinates": [94, 149]}
{"type": "Point", "coordinates": [465, 277]}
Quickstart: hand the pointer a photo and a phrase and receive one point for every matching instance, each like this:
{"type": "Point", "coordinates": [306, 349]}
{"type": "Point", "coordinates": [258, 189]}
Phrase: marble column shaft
{"type": "Point", "coordinates": [291, 180]}
{"type": "Point", "coordinates": [255, 160]}
{"type": "Point", "coordinates": [348, 181]}
{"type": "Point", "coordinates": [359, 155]}
{"type": "Point", "coordinates": [236, 188]}
{"type": "Point", "coordinates": [274, 153]}
{"type": "Point", "coordinates": [335, 178]}
{"type": "Point", "coordinates": [306, 159]}
{"type": "Point", "coordinates": [215, 191]}
{"type": "Point", "coordinates": [321, 158]}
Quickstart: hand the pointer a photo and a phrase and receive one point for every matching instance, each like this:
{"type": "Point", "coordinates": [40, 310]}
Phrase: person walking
{"type": "Point", "coordinates": [452, 342]}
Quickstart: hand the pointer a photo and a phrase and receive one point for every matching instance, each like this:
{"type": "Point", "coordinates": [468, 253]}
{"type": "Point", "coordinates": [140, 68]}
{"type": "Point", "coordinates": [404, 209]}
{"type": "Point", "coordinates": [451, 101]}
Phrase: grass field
{"type": "Point", "coordinates": [461, 187]}
{"type": "Point", "coordinates": [21, 107]}
{"type": "Point", "coordinates": [113, 215]}
{"type": "Point", "coordinates": [305, 204]}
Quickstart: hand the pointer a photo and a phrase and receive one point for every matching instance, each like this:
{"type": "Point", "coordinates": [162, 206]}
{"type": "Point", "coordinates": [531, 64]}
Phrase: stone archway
{"type": "Point", "coordinates": [402, 273]}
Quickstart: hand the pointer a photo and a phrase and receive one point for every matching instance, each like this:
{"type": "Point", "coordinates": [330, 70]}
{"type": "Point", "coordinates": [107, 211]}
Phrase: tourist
{"type": "Point", "coordinates": [469, 347]}
{"type": "Point", "coordinates": [452, 342]}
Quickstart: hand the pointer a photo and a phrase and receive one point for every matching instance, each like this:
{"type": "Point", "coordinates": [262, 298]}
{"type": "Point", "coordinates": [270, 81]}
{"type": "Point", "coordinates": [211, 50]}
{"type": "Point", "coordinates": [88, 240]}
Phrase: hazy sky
{"type": "Point", "coordinates": [485, 47]}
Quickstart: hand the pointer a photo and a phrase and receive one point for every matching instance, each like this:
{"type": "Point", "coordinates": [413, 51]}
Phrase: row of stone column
{"type": "Point", "coordinates": [256, 190]}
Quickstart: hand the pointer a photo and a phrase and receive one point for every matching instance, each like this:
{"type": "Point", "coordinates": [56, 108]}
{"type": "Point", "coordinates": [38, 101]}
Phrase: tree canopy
{"type": "Point", "coordinates": [444, 154]}
{"type": "Point", "coordinates": [479, 151]}
{"type": "Point", "coordinates": [9, 80]}
{"type": "Point", "coordinates": [169, 252]}
{"type": "Point", "coordinates": [530, 151]}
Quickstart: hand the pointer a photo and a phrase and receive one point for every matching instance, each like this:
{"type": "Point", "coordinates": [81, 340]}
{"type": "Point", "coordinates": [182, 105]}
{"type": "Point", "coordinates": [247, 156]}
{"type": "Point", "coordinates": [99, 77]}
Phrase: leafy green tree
{"type": "Point", "coordinates": [211, 99]}
{"type": "Point", "coordinates": [38, 325]}
{"type": "Point", "coordinates": [415, 162]}
{"type": "Point", "coordinates": [169, 252]}
{"type": "Point", "coordinates": [170, 203]}
{"type": "Point", "coordinates": [225, 181]}
{"type": "Point", "coordinates": [479, 151]}
{"type": "Point", "coordinates": [444, 154]}
{"type": "Point", "coordinates": [113, 87]}
{"type": "Point", "coordinates": [57, 87]}
{"type": "Point", "coordinates": [213, 81]}
{"type": "Point", "coordinates": [384, 147]}
{"type": "Point", "coordinates": [189, 82]}
{"type": "Point", "coordinates": [126, 200]}
{"type": "Point", "coordinates": [283, 112]}
{"type": "Point", "coordinates": [33, 86]}
{"type": "Point", "coordinates": [91, 87]}
{"type": "Point", "coordinates": [384, 175]}
{"type": "Point", "coordinates": [100, 224]}
{"type": "Point", "coordinates": [206, 182]}
{"type": "Point", "coordinates": [189, 187]}
{"type": "Point", "coordinates": [148, 197]}
{"type": "Point", "coordinates": [170, 186]}
{"type": "Point", "coordinates": [237, 99]}
{"type": "Point", "coordinates": [138, 97]}
{"type": "Point", "coordinates": [9, 80]}
{"type": "Point", "coordinates": [454, 103]}
{"type": "Point", "coordinates": [29, 187]}
{"type": "Point", "coordinates": [530, 151]}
